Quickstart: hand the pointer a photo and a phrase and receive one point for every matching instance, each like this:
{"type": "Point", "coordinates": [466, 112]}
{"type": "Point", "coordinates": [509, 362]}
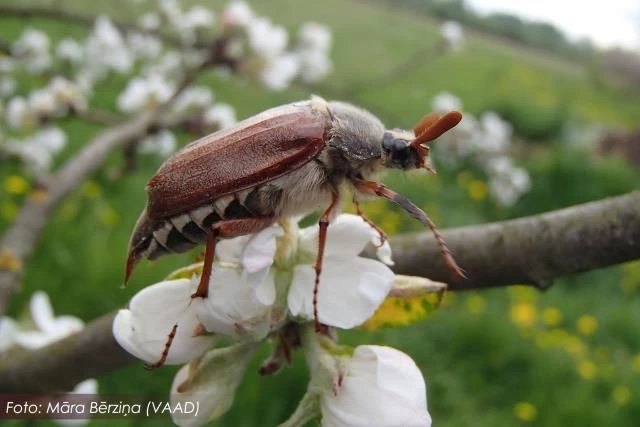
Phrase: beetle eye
{"type": "Point", "coordinates": [387, 141]}
{"type": "Point", "coordinates": [400, 145]}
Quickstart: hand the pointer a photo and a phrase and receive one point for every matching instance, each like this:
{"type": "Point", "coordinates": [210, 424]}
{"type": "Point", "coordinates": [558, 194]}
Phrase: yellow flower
{"type": "Point", "coordinates": [544, 339]}
{"type": "Point", "coordinates": [9, 262]}
{"type": "Point", "coordinates": [109, 216]}
{"type": "Point", "coordinates": [91, 190]}
{"type": "Point", "coordinates": [525, 411]}
{"type": "Point", "coordinates": [523, 293]}
{"type": "Point", "coordinates": [587, 325]}
{"type": "Point", "coordinates": [477, 190]}
{"type": "Point", "coordinates": [8, 211]}
{"type": "Point", "coordinates": [551, 316]}
{"type": "Point", "coordinates": [621, 395]}
{"type": "Point", "coordinates": [574, 346]}
{"type": "Point", "coordinates": [587, 369]}
{"type": "Point", "coordinates": [523, 315]}
{"type": "Point", "coordinates": [636, 363]}
{"type": "Point", "coordinates": [15, 184]}
{"type": "Point", "coordinates": [476, 304]}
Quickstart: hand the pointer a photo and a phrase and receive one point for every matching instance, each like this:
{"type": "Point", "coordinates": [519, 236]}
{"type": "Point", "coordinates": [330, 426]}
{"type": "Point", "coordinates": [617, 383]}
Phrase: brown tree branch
{"type": "Point", "coordinates": [532, 250]}
{"type": "Point", "coordinates": [63, 364]}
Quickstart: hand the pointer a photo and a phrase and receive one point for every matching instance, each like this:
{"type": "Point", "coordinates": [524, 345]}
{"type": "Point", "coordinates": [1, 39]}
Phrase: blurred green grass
{"type": "Point", "coordinates": [483, 352]}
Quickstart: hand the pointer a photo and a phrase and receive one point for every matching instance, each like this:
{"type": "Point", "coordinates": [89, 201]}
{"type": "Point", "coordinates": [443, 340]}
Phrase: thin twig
{"type": "Point", "coordinates": [531, 250]}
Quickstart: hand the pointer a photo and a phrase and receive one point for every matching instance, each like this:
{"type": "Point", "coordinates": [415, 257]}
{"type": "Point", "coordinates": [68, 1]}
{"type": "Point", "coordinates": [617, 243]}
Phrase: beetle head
{"type": "Point", "coordinates": [403, 150]}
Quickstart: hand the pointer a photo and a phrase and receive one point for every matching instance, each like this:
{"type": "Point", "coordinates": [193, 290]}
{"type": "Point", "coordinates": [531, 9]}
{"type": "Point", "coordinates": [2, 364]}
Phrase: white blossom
{"type": "Point", "coordinates": [44, 329]}
{"type": "Point", "coordinates": [150, 21]}
{"type": "Point", "coordinates": [453, 36]}
{"type": "Point", "coordinates": [67, 94]}
{"type": "Point", "coordinates": [498, 132]}
{"type": "Point", "coordinates": [162, 144]}
{"type": "Point", "coordinates": [347, 280]}
{"type": "Point", "coordinates": [171, 9]}
{"type": "Point", "coordinates": [32, 49]}
{"type": "Point", "coordinates": [279, 71]}
{"type": "Point", "coordinates": [444, 102]}
{"type": "Point", "coordinates": [144, 45]}
{"type": "Point", "coordinates": [507, 182]}
{"type": "Point", "coordinates": [198, 17]}
{"type": "Point", "coordinates": [211, 382]}
{"type": "Point", "coordinates": [193, 99]}
{"type": "Point", "coordinates": [106, 50]}
{"type": "Point", "coordinates": [169, 64]}
{"type": "Point", "coordinates": [49, 328]}
{"type": "Point", "coordinates": [85, 80]}
{"type": "Point", "coordinates": [143, 93]}
{"type": "Point", "coordinates": [70, 50]}
{"type": "Point", "coordinates": [221, 115]}
{"type": "Point", "coordinates": [51, 139]}
{"type": "Point", "coordinates": [43, 103]}
{"type": "Point", "coordinates": [18, 114]}
{"type": "Point", "coordinates": [266, 39]}
{"type": "Point", "coordinates": [315, 36]}
{"type": "Point", "coordinates": [242, 296]}
{"type": "Point", "coordinates": [8, 331]}
{"type": "Point", "coordinates": [143, 328]}
{"type": "Point", "coordinates": [314, 65]}
{"type": "Point", "coordinates": [379, 386]}
{"type": "Point", "coordinates": [238, 13]}
{"type": "Point", "coordinates": [485, 142]}
{"type": "Point", "coordinates": [38, 150]}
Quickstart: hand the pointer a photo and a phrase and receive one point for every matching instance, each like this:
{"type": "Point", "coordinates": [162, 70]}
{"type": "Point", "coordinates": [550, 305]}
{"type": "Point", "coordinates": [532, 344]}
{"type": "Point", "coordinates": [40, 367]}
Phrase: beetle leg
{"type": "Point", "coordinates": [226, 229]}
{"type": "Point", "coordinates": [165, 351]}
{"type": "Point", "coordinates": [322, 240]}
{"type": "Point", "coordinates": [376, 189]}
{"type": "Point", "coordinates": [380, 231]}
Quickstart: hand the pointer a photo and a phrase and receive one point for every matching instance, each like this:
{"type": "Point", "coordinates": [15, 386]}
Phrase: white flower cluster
{"type": "Point", "coordinates": [54, 100]}
{"type": "Point", "coordinates": [154, 70]}
{"type": "Point", "coordinates": [187, 24]}
{"type": "Point", "coordinates": [262, 286]}
{"type": "Point", "coordinates": [452, 36]}
{"type": "Point", "coordinates": [42, 329]}
{"type": "Point", "coordinates": [32, 50]}
{"type": "Point", "coordinates": [277, 66]}
{"type": "Point", "coordinates": [38, 150]}
{"type": "Point", "coordinates": [485, 142]}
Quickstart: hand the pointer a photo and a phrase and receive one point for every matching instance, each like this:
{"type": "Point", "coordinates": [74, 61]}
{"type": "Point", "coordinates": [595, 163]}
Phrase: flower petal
{"type": "Point", "coordinates": [33, 339]}
{"type": "Point", "coordinates": [89, 386]}
{"type": "Point", "coordinates": [383, 252]}
{"type": "Point", "coordinates": [381, 386]}
{"type": "Point", "coordinates": [235, 305]}
{"type": "Point", "coordinates": [349, 292]}
{"type": "Point", "coordinates": [347, 235]}
{"type": "Point", "coordinates": [210, 383]}
{"type": "Point", "coordinates": [41, 310]}
{"type": "Point", "coordinates": [8, 330]}
{"type": "Point", "coordinates": [260, 249]}
{"type": "Point", "coordinates": [143, 329]}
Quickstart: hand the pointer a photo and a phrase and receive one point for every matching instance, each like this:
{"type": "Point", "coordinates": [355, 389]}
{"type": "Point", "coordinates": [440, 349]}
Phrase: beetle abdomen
{"type": "Point", "coordinates": [154, 238]}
